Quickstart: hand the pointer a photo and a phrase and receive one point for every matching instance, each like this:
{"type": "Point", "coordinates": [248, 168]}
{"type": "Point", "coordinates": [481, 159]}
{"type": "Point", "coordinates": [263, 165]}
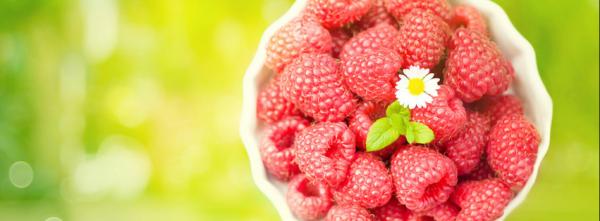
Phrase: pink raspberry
{"type": "Point", "coordinates": [475, 67]}
{"type": "Point", "coordinates": [423, 178]}
{"type": "Point", "coordinates": [468, 17]}
{"type": "Point", "coordinates": [423, 39]}
{"type": "Point", "coordinates": [324, 152]}
{"type": "Point", "coordinates": [313, 83]}
{"type": "Point", "coordinates": [467, 147]}
{"type": "Point", "coordinates": [481, 172]}
{"type": "Point", "coordinates": [393, 211]}
{"type": "Point", "coordinates": [377, 15]}
{"type": "Point", "coordinates": [339, 36]}
{"type": "Point", "coordinates": [272, 106]}
{"type": "Point", "coordinates": [499, 106]}
{"type": "Point", "coordinates": [399, 8]}
{"type": "Point", "coordinates": [367, 185]}
{"type": "Point", "coordinates": [360, 122]}
{"type": "Point", "coordinates": [372, 39]}
{"type": "Point", "coordinates": [348, 213]}
{"type": "Point", "coordinates": [481, 200]}
{"type": "Point", "coordinates": [301, 35]}
{"type": "Point", "coordinates": [444, 212]}
{"type": "Point", "coordinates": [446, 115]}
{"type": "Point", "coordinates": [337, 13]}
{"type": "Point", "coordinates": [373, 75]}
{"type": "Point", "coordinates": [512, 149]}
{"type": "Point", "coordinates": [276, 147]}
{"type": "Point", "coordinates": [308, 200]}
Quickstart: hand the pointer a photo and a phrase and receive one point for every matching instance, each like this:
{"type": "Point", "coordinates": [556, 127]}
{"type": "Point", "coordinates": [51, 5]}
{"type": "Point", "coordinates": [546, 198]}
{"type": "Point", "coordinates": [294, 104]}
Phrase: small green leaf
{"type": "Point", "coordinates": [410, 133]}
{"type": "Point", "coordinates": [399, 123]}
{"type": "Point", "coordinates": [422, 133]}
{"type": "Point", "coordinates": [381, 134]}
{"type": "Point", "coordinates": [396, 108]}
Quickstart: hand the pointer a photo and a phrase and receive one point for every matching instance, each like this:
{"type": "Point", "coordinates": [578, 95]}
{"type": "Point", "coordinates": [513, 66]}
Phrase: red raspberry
{"type": "Point", "coordinates": [276, 147]}
{"type": "Point", "coordinates": [399, 8]}
{"type": "Point", "coordinates": [373, 75]}
{"type": "Point", "coordinates": [423, 178]}
{"type": "Point", "coordinates": [367, 185]}
{"type": "Point", "coordinates": [324, 152]}
{"type": "Point", "coordinates": [482, 171]}
{"type": "Point", "coordinates": [312, 82]}
{"type": "Point", "coordinates": [512, 149]}
{"type": "Point", "coordinates": [481, 200]}
{"type": "Point", "coordinates": [446, 115]}
{"type": "Point", "coordinates": [337, 13]}
{"type": "Point", "coordinates": [271, 105]}
{"type": "Point", "coordinates": [393, 211]}
{"type": "Point", "coordinates": [468, 17]}
{"type": "Point", "coordinates": [348, 213]}
{"type": "Point", "coordinates": [360, 122]}
{"type": "Point", "coordinates": [301, 35]}
{"type": "Point", "coordinates": [377, 15]}
{"type": "Point", "coordinates": [499, 106]}
{"type": "Point", "coordinates": [423, 38]}
{"type": "Point", "coordinates": [308, 200]}
{"type": "Point", "coordinates": [475, 67]}
{"type": "Point", "coordinates": [467, 147]}
{"type": "Point", "coordinates": [372, 39]}
{"type": "Point", "coordinates": [339, 36]}
{"type": "Point", "coordinates": [444, 212]}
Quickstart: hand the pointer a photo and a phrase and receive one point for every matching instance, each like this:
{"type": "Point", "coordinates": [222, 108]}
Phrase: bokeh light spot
{"type": "Point", "coordinates": [20, 174]}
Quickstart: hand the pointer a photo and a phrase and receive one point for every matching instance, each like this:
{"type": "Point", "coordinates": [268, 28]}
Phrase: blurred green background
{"type": "Point", "coordinates": [129, 110]}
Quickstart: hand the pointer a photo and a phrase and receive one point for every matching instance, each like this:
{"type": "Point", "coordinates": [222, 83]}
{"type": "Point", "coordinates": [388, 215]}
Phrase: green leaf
{"type": "Point", "coordinates": [422, 133]}
{"type": "Point", "coordinates": [410, 133]}
{"type": "Point", "coordinates": [398, 122]}
{"type": "Point", "coordinates": [396, 108]}
{"type": "Point", "coordinates": [381, 134]}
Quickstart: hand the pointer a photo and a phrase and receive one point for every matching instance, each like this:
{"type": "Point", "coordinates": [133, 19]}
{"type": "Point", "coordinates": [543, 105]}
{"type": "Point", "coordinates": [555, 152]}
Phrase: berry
{"type": "Point", "coordinates": [377, 15]}
{"type": "Point", "coordinates": [446, 115]}
{"type": "Point", "coordinates": [339, 37]}
{"type": "Point", "coordinates": [467, 147]}
{"type": "Point", "coordinates": [470, 18]}
{"type": "Point", "coordinates": [313, 83]}
{"type": "Point", "coordinates": [499, 106]}
{"type": "Point", "coordinates": [423, 178]}
{"type": "Point", "coordinates": [481, 200]}
{"type": "Point", "coordinates": [475, 66]}
{"type": "Point", "coordinates": [367, 185]}
{"type": "Point", "coordinates": [372, 39]}
{"type": "Point", "coordinates": [271, 105]}
{"type": "Point", "coordinates": [481, 172]}
{"type": "Point", "coordinates": [422, 39]}
{"type": "Point", "coordinates": [324, 152]}
{"type": "Point", "coordinates": [308, 200]}
{"type": "Point", "coordinates": [276, 147]}
{"type": "Point", "coordinates": [393, 211]}
{"type": "Point", "coordinates": [301, 35]}
{"type": "Point", "coordinates": [366, 113]}
{"type": "Point", "coordinates": [373, 75]}
{"type": "Point", "coordinates": [399, 8]}
{"type": "Point", "coordinates": [512, 149]}
{"type": "Point", "coordinates": [337, 13]}
{"type": "Point", "coordinates": [444, 212]}
{"type": "Point", "coordinates": [348, 213]}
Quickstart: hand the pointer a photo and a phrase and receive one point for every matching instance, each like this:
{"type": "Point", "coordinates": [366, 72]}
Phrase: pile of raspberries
{"type": "Point", "coordinates": [335, 69]}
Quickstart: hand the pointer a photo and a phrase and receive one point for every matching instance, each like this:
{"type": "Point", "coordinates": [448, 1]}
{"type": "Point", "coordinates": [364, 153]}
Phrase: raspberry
{"type": "Point", "coordinates": [498, 106]}
{"type": "Point", "coordinates": [422, 39]}
{"type": "Point", "coordinates": [470, 18]}
{"type": "Point", "coordinates": [312, 82]}
{"type": "Point", "coordinates": [481, 172]}
{"type": "Point", "coordinates": [512, 149]}
{"type": "Point", "coordinates": [348, 213]}
{"type": "Point", "coordinates": [276, 147]}
{"type": "Point", "coordinates": [393, 211]}
{"type": "Point", "coordinates": [337, 13]}
{"type": "Point", "coordinates": [423, 178]}
{"type": "Point", "coordinates": [372, 39]}
{"type": "Point", "coordinates": [339, 37]}
{"type": "Point", "coordinates": [367, 185]}
{"type": "Point", "coordinates": [301, 35]}
{"type": "Point", "coordinates": [324, 152]}
{"type": "Point", "coordinates": [366, 113]}
{"type": "Point", "coordinates": [481, 200]}
{"type": "Point", "coordinates": [399, 8]}
{"type": "Point", "coordinates": [444, 212]}
{"type": "Point", "coordinates": [377, 15]}
{"type": "Point", "coordinates": [373, 75]}
{"type": "Point", "coordinates": [446, 115]}
{"type": "Point", "coordinates": [467, 148]}
{"type": "Point", "coordinates": [308, 200]}
{"type": "Point", "coordinates": [272, 106]}
{"type": "Point", "coordinates": [475, 67]}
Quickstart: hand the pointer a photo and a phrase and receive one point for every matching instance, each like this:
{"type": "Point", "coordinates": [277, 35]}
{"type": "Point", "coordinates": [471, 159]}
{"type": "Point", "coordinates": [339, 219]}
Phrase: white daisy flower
{"type": "Point", "coordinates": [416, 87]}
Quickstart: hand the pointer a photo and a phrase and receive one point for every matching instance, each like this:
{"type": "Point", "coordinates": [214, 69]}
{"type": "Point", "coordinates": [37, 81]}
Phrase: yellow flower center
{"type": "Point", "coordinates": [416, 86]}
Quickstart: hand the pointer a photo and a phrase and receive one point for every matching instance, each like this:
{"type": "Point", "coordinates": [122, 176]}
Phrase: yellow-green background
{"type": "Point", "coordinates": [128, 110]}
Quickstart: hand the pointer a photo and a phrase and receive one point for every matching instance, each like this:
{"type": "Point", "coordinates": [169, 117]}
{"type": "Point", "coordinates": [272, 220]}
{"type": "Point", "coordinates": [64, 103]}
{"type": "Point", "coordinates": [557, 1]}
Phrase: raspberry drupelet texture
{"type": "Point", "coordinates": [337, 13]}
{"type": "Point", "coordinates": [423, 178]}
{"type": "Point", "coordinates": [446, 115]}
{"type": "Point", "coordinates": [423, 39]}
{"type": "Point", "coordinates": [468, 17]}
{"type": "Point", "coordinates": [301, 35]}
{"type": "Point", "coordinates": [512, 149]}
{"type": "Point", "coordinates": [271, 105]}
{"type": "Point", "coordinates": [308, 200]}
{"type": "Point", "coordinates": [475, 67]}
{"type": "Point", "coordinates": [393, 211]}
{"type": "Point", "coordinates": [481, 172]}
{"type": "Point", "coordinates": [377, 15]}
{"type": "Point", "coordinates": [339, 37]}
{"type": "Point", "coordinates": [467, 148]}
{"type": "Point", "coordinates": [324, 152]}
{"type": "Point", "coordinates": [498, 106]}
{"type": "Point", "coordinates": [313, 83]}
{"type": "Point", "coordinates": [444, 212]}
{"type": "Point", "coordinates": [360, 122]}
{"type": "Point", "coordinates": [372, 39]}
{"type": "Point", "coordinates": [373, 75]}
{"type": "Point", "coordinates": [348, 213]}
{"type": "Point", "coordinates": [368, 183]}
{"type": "Point", "coordinates": [399, 8]}
{"type": "Point", "coordinates": [276, 147]}
{"type": "Point", "coordinates": [481, 200]}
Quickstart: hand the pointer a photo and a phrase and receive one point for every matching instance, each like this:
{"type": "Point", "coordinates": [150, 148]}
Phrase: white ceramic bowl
{"type": "Point", "coordinates": [527, 86]}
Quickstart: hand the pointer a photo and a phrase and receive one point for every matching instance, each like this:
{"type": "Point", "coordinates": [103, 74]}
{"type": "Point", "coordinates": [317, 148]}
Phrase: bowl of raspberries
{"type": "Point", "coordinates": [394, 110]}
